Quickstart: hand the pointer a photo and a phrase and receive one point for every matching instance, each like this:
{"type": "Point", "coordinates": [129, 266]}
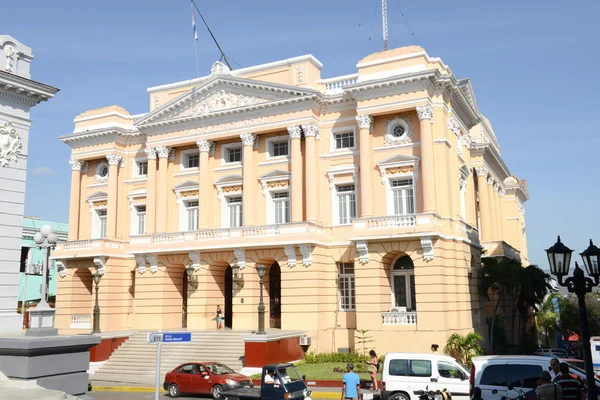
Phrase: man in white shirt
{"type": "Point", "coordinates": [554, 368]}
{"type": "Point", "coordinates": [270, 377]}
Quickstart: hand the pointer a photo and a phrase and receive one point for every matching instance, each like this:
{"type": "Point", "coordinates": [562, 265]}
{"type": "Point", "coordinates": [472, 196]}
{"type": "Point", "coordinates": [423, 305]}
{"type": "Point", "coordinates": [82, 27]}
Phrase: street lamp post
{"type": "Point", "coordinates": [260, 269]}
{"type": "Point", "coordinates": [96, 325]}
{"type": "Point", "coordinates": [559, 257]}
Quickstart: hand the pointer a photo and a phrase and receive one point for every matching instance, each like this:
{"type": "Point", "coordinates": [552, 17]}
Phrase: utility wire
{"type": "Point", "coordinates": [223, 57]}
{"type": "Point", "coordinates": [407, 24]}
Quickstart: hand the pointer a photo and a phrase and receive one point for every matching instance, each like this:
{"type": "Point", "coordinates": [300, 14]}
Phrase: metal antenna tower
{"type": "Point", "coordinates": [384, 20]}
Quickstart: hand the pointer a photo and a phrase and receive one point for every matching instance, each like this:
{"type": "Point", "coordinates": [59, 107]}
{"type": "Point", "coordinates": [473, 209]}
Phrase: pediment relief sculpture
{"type": "Point", "coordinates": [221, 101]}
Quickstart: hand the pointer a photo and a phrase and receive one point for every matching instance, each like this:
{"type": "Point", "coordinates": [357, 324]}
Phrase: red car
{"type": "Point", "coordinates": [204, 377]}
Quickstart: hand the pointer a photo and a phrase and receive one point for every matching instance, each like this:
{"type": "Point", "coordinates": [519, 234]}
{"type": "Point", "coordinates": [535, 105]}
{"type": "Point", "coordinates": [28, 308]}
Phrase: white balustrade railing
{"type": "Point", "coordinates": [213, 234]}
{"type": "Point", "coordinates": [77, 244]}
{"type": "Point", "coordinates": [81, 321]}
{"type": "Point", "coordinates": [399, 318]}
{"type": "Point", "coordinates": [267, 230]}
{"type": "Point", "coordinates": [336, 85]}
{"type": "Point", "coordinates": [168, 237]}
{"type": "Point", "coordinates": [396, 221]}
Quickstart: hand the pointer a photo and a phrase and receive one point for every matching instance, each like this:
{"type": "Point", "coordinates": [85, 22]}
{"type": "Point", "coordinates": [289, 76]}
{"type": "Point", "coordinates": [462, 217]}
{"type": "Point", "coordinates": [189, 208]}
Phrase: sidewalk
{"type": "Point", "coordinates": [317, 393]}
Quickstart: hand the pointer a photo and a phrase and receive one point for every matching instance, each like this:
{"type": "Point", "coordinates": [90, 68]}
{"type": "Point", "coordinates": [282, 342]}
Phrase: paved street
{"type": "Point", "coordinates": [135, 396]}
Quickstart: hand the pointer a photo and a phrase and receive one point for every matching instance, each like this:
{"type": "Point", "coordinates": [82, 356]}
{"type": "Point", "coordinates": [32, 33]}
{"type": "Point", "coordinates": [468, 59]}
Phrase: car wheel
{"type": "Point", "coordinates": [216, 392]}
{"type": "Point", "coordinates": [399, 396]}
{"type": "Point", "coordinates": [174, 390]}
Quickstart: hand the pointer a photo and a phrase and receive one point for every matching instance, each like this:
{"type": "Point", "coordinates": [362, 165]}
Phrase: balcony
{"type": "Point", "coordinates": [81, 321]}
{"type": "Point", "coordinates": [226, 238]}
{"type": "Point", "coordinates": [399, 318]}
{"type": "Point", "coordinates": [88, 248]}
{"type": "Point", "coordinates": [501, 249]}
{"type": "Point", "coordinates": [336, 85]}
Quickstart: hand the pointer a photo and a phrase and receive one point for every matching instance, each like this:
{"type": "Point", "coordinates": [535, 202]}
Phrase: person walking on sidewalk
{"type": "Point", "coordinates": [351, 388]}
{"type": "Point", "coordinates": [373, 369]}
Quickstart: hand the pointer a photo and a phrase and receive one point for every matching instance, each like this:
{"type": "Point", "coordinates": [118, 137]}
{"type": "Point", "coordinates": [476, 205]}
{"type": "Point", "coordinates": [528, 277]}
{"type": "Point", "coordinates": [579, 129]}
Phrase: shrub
{"type": "Point", "coordinates": [319, 358]}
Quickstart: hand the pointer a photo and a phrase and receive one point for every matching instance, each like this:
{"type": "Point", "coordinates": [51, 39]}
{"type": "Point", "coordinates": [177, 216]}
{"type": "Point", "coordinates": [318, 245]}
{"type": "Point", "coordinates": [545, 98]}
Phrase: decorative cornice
{"type": "Point", "coordinates": [310, 130]}
{"type": "Point", "coordinates": [364, 121]}
{"type": "Point", "coordinates": [23, 90]}
{"type": "Point", "coordinates": [295, 131]}
{"type": "Point", "coordinates": [425, 112]}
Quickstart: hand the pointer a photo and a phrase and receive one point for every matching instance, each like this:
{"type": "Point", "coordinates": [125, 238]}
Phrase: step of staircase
{"type": "Point", "coordinates": [135, 360]}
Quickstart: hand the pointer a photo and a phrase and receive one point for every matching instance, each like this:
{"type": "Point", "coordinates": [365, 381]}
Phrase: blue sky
{"type": "Point", "coordinates": [533, 65]}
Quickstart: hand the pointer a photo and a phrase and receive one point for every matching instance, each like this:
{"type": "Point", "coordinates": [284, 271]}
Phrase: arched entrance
{"type": "Point", "coordinates": [275, 296]}
{"type": "Point", "coordinates": [403, 284]}
{"type": "Point", "coordinates": [228, 309]}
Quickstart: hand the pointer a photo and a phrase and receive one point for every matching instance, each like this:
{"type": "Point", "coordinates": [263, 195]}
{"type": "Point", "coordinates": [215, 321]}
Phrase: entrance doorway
{"type": "Point", "coordinates": [275, 296]}
{"type": "Point", "coordinates": [184, 295]}
{"type": "Point", "coordinates": [228, 298]}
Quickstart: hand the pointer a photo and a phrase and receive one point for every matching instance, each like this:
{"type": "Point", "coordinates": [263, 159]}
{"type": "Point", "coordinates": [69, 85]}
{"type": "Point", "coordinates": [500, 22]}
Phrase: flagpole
{"type": "Point", "coordinates": [195, 40]}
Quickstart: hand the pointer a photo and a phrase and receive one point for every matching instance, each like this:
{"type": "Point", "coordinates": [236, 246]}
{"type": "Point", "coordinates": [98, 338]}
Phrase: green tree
{"type": "Point", "coordinates": [464, 348]}
{"type": "Point", "coordinates": [546, 318]}
{"type": "Point", "coordinates": [569, 314]}
{"type": "Point", "coordinates": [363, 339]}
{"type": "Point", "coordinates": [534, 286]}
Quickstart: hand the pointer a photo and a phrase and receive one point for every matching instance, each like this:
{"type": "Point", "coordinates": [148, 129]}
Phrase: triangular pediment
{"type": "Point", "coordinates": [233, 179]}
{"type": "Point", "coordinates": [185, 185]}
{"type": "Point", "coordinates": [398, 159]}
{"type": "Point", "coordinates": [97, 196]}
{"type": "Point", "coordinates": [275, 174]}
{"type": "Point", "coordinates": [223, 95]}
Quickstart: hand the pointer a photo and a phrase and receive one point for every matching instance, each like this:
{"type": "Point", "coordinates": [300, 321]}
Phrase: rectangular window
{"type": "Point", "coordinates": [346, 204]}
{"type": "Point", "coordinates": [24, 255]}
{"type": "Point", "coordinates": [281, 202]}
{"type": "Point", "coordinates": [102, 217]}
{"type": "Point", "coordinates": [346, 286]}
{"type": "Point", "coordinates": [280, 149]}
{"type": "Point", "coordinates": [192, 215]}
{"type": "Point", "coordinates": [193, 161]}
{"type": "Point", "coordinates": [235, 211]}
{"type": "Point", "coordinates": [403, 196]}
{"type": "Point", "coordinates": [141, 219]}
{"type": "Point", "coordinates": [234, 155]}
{"type": "Point", "coordinates": [344, 140]}
{"type": "Point", "coordinates": [142, 168]}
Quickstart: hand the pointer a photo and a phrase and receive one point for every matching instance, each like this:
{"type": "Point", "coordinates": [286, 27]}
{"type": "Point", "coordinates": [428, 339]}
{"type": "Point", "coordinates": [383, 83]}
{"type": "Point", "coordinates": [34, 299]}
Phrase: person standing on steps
{"type": "Point", "coordinates": [219, 317]}
{"type": "Point", "coordinates": [373, 369]}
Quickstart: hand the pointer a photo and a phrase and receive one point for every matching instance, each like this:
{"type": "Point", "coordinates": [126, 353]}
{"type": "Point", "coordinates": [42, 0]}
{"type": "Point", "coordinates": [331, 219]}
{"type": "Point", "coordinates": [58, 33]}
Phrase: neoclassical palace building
{"type": "Point", "coordinates": [370, 199]}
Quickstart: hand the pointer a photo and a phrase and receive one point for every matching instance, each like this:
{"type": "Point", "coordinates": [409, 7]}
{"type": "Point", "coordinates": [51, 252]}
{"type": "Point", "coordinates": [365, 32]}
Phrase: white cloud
{"type": "Point", "coordinates": [41, 171]}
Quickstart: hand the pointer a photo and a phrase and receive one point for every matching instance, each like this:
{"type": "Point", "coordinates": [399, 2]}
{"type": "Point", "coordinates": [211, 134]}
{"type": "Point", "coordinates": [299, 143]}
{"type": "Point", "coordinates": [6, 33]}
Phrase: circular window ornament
{"type": "Point", "coordinates": [101, 175]}
{"type": "Point", "coordinates": [398, 132]}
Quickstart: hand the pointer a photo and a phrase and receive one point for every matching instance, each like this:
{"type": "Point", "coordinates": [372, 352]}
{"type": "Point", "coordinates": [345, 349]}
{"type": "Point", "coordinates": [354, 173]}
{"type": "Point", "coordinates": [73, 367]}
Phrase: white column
{"type": "Point", "coordinates": [425, 114]}
{"type": "Point", "coordinates": [248, 182]}
{"type": "Point", "coordinates": [296, 179]}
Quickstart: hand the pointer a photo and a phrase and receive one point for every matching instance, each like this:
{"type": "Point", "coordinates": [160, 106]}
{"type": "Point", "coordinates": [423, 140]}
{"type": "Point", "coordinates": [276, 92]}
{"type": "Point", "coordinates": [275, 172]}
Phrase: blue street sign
{"type": "Point", "coordinates": [170, 337]}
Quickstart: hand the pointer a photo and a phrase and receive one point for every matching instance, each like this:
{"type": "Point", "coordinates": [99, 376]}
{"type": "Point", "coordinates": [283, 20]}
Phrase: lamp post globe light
{"type": "Point", "coordinates": [42, 316]}
{"type": "Point", "coordinates": [260, 270]}
{"type": "Point", "coordinates": [559, 257]}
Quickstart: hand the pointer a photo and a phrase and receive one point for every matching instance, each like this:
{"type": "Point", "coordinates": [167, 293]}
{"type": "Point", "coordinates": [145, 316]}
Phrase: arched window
{"type": "Point", "coordinates": [403, 284]}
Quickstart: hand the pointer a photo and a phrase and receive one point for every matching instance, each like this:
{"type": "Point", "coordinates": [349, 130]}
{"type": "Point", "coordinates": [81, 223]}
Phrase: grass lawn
{"type": "Point", "coordinates": [324, 371]}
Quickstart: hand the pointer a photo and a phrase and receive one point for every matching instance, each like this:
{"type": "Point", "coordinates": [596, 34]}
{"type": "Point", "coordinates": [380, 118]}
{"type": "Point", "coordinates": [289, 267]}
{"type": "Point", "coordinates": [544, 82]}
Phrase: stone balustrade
{"type": "Point", "coordinates": [75, 245]}
{"type": "Point", "coordinates": [335, 85]}
{"type": "Point", "coordinates": [168, 237]}
{"type": "Point", "coordinates": [399, 318]}
{"type": "Point", "coordinates": [213, 234]}
{"type": "Point", "coordinates": [81, 321]}
{"type": "Point", "coordinates": [267, 230]}
{"type": "Point", "coordinates": [396, 221]}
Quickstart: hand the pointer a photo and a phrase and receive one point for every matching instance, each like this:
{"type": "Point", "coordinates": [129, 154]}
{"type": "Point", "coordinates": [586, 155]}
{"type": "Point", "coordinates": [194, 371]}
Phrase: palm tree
{"type": "Point", "coordinates": [500, 278]}
{"type": "Point", "coordinates": [463, 348]}
{"type": "Point", "coordinates": [546, 318]}
{"type": "Point", "coordinates": [534, 287]}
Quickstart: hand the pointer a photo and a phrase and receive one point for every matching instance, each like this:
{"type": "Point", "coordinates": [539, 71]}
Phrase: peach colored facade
{"type": "Point", "coordinates": [370, 198]}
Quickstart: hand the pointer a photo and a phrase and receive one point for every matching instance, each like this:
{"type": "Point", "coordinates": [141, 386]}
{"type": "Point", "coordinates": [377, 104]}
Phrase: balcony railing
{"type": "Point", "coordinates": [81, 321]}
{"type": "Point", "coordinates": [101, 243]}
{"type": "Point", "coordinates": [396, 221]}
{"type": "Point", "coordinates": [335, 85]}
{"type": "Point", "coordinates": [399, 318]}
{"type": "Point", "coordinates": [268, 230]}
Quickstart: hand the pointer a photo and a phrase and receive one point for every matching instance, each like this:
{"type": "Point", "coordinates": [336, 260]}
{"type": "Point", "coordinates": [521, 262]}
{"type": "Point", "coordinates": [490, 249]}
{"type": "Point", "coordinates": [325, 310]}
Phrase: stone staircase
{"type": "Point", "coordinates": [134, 361]}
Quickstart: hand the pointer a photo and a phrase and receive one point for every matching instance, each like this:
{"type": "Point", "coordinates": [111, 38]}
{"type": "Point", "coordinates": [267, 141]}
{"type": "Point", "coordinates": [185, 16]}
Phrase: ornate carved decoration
{"type": "Point", "coordinates": [76, 165]}
{"type": "Point", "coordinates": [163, 151]}
{"type": "Point", "coordinates": [364, 121]}
{"type": "Point", "coordinates": [290, 252]}
{"type": "Point", "coordinates": [363, 252]}
{"type": "Point", "coordinates": [481, 171]}
{"type": "Point", "coordinates": [496, 187]}
{"type": "Point", "coordinates": [454, 126]}
{"type": "Point", "coordinates": [281, 183]}
{"type": "Point", "coordinates": [195, 257]}
{"type": "Point", "coordinates": [490, 180]}
{"type": "Point", "coordinates": [60, 268]}
{"type": "Point", "coordinates": [153, 261]}
{"type": "Point", "coordinates": [468, 141]}
{"type": "Point", "coordinates": [222, 101]}
{"type": "Point", "coordinates": [151, 153]}
{"type": "Point", "coordinates": [113, 159]}
{"type": "Point", "coordinates": [9, 52]}
{"type": "Point", "coordinates": [102, 203]}
{"type": "Point", "coordinates": [140, 259]}
{"type": "Point", "coordinates": [228, 189]}
{"type": "Point", "coordinates": [294, 131]}
{"type": "Point", "coordinates": [206, 146]}
{"type": "Point", "coordinates": [249, 139]}
{"type": "Point", "coordinates": [502, 192]}
{"type": "Point", "coordinates": [427, 245]}
{"type": "Point", "coordinates": [219, 68]}
{"type": "Point", "coordinates": [156, 101]}
{"type": "Point", "coordinates": [392, 137]}
{"type": "Point", "coordinates": [100, 263]}
{"type": "Point", "coordinates": [10, 143]}
{"type": "Point", "coordinates": [310, 130]}
{"type": "Point", "coordinates": [193, 193]}
{"type": "Point", "coordinates": [300, 74]}
{"type": "Point", "coordinates": [425, 112]}
{"type": "Point", "coordinates": [306, 251]}
{"type": "Point", "coordinates": [240, 254]}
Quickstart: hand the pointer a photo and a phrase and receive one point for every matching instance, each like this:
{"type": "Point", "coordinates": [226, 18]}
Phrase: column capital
{"type": "Point", "coordinates": [77, 165]}
{"type": "Point", "coordinates": [206, 146]}
{"type": "Point", "coordinates": [364, 121]}
{"type": "Point", "coordinates": [482, 171]}
{"type": "Point", "coordinates": [162, 151]}
{"type": "Point", "coordinates": [496, 187]}
{"type": "Point", "coordinates": [491, 181]}
{"type": "Point", "coordinates": [114, 159]}
{"type": "Point", "coordinates": [294, 131]}
{"type": "Point", "coordinates": [310, 130]}
{"type": "Point", "coordinates": [249, 139]}
{"type": "Point", "coordinates": [151, 153]}
{"type": "Point", "coordinates": [425, 112]}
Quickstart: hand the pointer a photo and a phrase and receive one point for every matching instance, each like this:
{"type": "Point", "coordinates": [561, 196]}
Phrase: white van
{"type": "Point", "coordinates": [494, 374]}
{"type": "Point", "coordinates": [405, 373]}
